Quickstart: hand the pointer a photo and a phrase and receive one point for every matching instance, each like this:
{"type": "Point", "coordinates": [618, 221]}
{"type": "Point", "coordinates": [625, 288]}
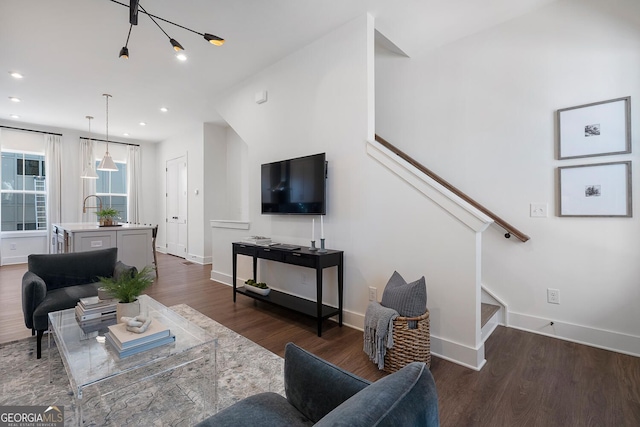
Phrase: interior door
{"type": "Point", "coordinates": [176, 175]}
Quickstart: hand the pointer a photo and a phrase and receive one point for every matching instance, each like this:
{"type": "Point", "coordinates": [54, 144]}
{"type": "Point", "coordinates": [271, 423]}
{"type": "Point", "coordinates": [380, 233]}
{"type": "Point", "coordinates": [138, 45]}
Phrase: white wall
{"type": "Point", "coordinates": [71, 190]}
{"type": "Point", "coordinates": [480, 113]}
{"type": "Point", "coordinates": [237, 177]}
{"type": "Point", "coordinates": [320, 100]}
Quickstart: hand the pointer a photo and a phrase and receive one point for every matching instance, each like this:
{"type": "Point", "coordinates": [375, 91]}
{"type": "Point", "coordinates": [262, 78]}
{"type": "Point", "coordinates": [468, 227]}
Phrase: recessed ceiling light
{"type": "Point", "coordinates": [14, 116]}
{"type": "Point", "coordinates": [125, 134]}
{"type": "Point", "coordinates": [164, 109]}
{"type": "Point", "coordinates": [143, 124]}
{"type": "Point", "coordinates": [14, 99]}
{"type": "Point", "coordinates": [181, 56]}
{"type": "Point", "coordinates": [15, 75]}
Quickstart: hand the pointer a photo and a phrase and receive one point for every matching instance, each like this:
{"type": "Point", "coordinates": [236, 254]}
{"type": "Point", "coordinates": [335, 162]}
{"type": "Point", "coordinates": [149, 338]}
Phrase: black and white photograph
{"type": "Point", "coordinates": [592, 130]}
{"type": "Point", "coordinates": [602, 189]}
{"type": "Point", "coordinates": [592, 191]}
{"type": "Point", "coordinates": [597, 129]}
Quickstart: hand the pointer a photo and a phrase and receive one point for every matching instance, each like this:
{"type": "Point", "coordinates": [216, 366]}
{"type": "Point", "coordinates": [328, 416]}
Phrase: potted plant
{"type": "Point", "coordinates": [106, 216]}
{"type": "Point", "coordinates": [126, 289]}
{"type": "Point", "coordinates": [258, 288]}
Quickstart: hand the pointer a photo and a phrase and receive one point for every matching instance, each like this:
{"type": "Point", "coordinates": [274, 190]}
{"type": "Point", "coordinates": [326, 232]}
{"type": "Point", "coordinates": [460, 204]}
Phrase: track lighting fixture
{"type": "Point", "coordinates": [124, 52]}
{"type": "Point", "coordinates": [176, 46]}
{"type": "Point", "coordinates": [135, 6]}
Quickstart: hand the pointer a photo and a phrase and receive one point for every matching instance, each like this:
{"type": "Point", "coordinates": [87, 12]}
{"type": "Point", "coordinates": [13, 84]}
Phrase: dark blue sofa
{"type": "Point", "coordinates": [56, 282]}
{"type": "Point", "coordinates": [321, 394]}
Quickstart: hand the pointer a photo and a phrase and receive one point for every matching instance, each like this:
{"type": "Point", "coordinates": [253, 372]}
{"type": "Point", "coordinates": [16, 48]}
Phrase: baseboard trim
{"type": "Point", "coordinates": [14, 260]}
{"type": "Point", "coordinates": [223, 278]}
{"type": "Point", "coordinates": [199, 259]}
{"type": "Point", "coordinates": [599, 338]}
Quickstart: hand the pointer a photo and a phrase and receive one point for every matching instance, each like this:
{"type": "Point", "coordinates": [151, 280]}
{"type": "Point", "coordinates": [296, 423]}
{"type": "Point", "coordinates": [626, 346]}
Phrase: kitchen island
{"type": "Point", "coordinates": [132, 240]}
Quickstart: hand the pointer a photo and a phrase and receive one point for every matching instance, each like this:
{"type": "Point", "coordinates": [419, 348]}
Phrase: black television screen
{"type": "Point", "coordinates": [295, 186]}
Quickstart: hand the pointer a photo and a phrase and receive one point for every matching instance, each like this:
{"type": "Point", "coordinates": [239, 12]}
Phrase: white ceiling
{"type": "Point", "coordinates": [67, 51]}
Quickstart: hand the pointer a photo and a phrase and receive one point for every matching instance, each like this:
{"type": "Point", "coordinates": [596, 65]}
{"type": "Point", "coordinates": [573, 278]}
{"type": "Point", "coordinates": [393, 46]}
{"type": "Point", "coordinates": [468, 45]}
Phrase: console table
{"type": "Point", "coordinates": [302, 257]}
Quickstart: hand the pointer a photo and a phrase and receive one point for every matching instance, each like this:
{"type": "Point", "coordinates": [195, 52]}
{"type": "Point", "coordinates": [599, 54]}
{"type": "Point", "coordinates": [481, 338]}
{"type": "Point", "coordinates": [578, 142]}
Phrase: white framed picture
{"type": "Point", "coordinates": [598, 129]}
{"type": "Point", "coordinates": [602, 189]}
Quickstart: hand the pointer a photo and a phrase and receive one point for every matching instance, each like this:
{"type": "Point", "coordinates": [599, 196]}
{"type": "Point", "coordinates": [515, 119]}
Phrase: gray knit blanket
{"type": "Point", "coordinates": [378, 331]}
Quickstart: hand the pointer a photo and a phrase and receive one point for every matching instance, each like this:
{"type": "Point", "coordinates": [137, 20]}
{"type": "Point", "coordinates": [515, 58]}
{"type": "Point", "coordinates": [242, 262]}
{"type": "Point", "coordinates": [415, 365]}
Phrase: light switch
{"type": "Point", "coordinates": [539, 210]}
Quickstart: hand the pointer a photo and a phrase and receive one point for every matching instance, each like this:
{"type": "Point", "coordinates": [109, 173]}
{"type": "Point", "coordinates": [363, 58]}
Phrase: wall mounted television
{"type": "Point", "coordinates": [295, 186]}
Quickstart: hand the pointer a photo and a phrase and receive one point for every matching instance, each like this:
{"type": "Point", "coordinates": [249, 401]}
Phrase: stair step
{"type": "Point", "coordinates": [487, 312]}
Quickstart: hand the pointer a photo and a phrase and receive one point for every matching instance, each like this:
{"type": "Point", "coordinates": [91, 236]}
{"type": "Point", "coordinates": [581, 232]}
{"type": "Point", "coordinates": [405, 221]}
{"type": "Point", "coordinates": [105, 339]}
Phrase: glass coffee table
{"type": "Point", "coordinates": [170, 382]}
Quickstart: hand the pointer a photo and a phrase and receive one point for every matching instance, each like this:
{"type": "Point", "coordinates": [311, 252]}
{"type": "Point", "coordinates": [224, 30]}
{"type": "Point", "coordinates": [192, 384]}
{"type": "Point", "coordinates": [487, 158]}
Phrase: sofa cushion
{"type": "Point", "coordinates": [407, 397]}
{"type": "Point", "coordinates": [61, 299]}
{"type": "Point", "coordinates": [408, 299]}
{"type": "Point", "coordinates": [314, 386]}
{"type": "Point", "coordinates": [264, 409]}
{"type": "Point", "coordinates": [122, 269]}
{"type": "Point", "coordinates": [60, 270]}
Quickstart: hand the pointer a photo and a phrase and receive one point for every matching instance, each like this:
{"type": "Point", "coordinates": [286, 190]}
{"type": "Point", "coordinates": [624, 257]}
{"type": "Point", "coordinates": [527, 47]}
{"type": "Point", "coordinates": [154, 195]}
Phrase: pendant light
{"type": "Point", "coordinates": [89, 171]}
{"type": "Point", "coordinates": [107, 163]}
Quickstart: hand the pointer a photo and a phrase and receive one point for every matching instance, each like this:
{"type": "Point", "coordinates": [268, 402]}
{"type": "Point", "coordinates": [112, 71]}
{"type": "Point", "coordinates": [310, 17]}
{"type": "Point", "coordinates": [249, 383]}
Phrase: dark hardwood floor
{"type": "Point", "coordinates": [529, 380]}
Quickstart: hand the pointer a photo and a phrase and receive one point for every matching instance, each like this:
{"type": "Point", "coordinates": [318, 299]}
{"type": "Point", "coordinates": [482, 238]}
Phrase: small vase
{"type": "Point", "coordinates": [127, 309]}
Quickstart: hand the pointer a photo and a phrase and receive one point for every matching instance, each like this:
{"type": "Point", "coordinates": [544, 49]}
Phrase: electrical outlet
{"type": "Point", "coordinates": [373, 294]}
{"type": "Point", "coordinates": [553, 296]}
{"type": "Point", "coordinates": [12, 246]}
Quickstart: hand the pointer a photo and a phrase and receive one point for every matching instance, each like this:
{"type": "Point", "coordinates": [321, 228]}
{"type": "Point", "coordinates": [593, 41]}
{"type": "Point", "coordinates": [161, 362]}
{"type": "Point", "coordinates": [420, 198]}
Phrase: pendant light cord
{"type": "Point", "coordinates": [106, 95]}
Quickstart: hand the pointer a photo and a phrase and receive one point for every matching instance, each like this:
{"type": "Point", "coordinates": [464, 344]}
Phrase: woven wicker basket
{"type": "Point", "coordinates": [409, 345]}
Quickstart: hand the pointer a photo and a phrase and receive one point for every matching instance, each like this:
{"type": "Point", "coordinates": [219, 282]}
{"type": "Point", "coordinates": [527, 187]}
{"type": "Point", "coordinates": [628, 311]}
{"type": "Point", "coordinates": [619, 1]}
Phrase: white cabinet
{"type": "Point", "coordinates": [93, 240]}
{"type": "Point", "coordinates": [133, 241]}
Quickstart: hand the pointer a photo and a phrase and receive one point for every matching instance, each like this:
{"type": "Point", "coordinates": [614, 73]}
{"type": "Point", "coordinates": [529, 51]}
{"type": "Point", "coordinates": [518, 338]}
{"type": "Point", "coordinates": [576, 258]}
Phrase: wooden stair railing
{"type": "Point", "coordinates": [510, 230]}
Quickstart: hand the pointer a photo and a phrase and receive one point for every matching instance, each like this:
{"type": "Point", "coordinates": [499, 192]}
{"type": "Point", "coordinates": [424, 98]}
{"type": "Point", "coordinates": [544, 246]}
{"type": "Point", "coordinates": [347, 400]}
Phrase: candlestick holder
{"type": "Point", "coordinates": [322, 250]}
{"type": "Point", "coordinates": [313, 246]}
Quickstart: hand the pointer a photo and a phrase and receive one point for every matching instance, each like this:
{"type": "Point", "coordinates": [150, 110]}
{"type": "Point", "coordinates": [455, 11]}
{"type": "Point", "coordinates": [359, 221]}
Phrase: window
{"type": "Point", "coordinates": [112, 189]}
{"type": "Point", "coordinates": [23, 194]}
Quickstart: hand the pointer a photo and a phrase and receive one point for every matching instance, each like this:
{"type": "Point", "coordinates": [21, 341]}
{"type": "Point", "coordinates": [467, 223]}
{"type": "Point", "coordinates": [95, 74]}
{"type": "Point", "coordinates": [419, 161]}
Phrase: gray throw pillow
{"type": "Point", "coordinates": [408, 299]}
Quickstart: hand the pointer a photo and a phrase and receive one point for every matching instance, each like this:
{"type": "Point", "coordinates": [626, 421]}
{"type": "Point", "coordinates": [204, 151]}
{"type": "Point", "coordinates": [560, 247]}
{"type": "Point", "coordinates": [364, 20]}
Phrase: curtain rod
{"type": "Point", "coordinates": [31, 130]}
{"type": "Point", "coordinates": [110, 142]}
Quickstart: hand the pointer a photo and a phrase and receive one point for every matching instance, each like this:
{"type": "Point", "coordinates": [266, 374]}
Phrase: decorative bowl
{"type": "Point", "coordinates": [254, 289]}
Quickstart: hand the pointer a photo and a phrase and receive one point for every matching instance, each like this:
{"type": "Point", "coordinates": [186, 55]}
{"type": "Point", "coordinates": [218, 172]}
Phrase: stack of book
{"type": "Point", "coordinates": [258, 240]}
{"type": "Point", "coordinates": [93, 313]}
{"type": "Point", "coordinates": [127, 343]}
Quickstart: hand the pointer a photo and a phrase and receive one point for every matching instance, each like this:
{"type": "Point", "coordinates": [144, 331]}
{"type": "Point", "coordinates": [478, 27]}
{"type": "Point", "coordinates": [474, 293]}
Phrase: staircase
{"type": "Point", "coordinates": [493, 312]}
{"type": "Point", "coordinates": [482, 310]}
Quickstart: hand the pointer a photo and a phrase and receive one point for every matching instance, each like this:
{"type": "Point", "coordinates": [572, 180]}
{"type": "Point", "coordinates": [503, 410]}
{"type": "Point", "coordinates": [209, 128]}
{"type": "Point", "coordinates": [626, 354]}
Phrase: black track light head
{"type": "Point", "coordinates": [215, 40]}
{"type": "Point", "coordinates": [124, 53]}
{"type": "Point", "coordinates": [176, 46]}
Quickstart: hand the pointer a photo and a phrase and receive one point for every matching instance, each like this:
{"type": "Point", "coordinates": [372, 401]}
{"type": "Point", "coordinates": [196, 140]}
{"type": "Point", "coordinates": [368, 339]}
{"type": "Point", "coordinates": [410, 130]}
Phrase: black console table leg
{"type": "Point", "coordinates": [340, 289]}
{"type": "Point", "coordinates": [319, 299]}
{"type": "Point", "coordinates": [255, 269]}
{"type": "Point", "coordinates": [235, 274]}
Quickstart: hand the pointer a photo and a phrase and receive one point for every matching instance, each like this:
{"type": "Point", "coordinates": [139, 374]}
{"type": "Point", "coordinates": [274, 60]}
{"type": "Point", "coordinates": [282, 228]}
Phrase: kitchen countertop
{"type": "Point", "coordinates": [93, 226]}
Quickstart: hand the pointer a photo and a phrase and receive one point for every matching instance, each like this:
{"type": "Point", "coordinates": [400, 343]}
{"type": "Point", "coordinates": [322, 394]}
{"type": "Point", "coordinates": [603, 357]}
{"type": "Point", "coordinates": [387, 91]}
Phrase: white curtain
{"type": "Point", "coordinates": [53, 183]}
{"type": "Point", "coordinates": [134, 180]}
{"type": "Point", "coordinates": [87, 186]}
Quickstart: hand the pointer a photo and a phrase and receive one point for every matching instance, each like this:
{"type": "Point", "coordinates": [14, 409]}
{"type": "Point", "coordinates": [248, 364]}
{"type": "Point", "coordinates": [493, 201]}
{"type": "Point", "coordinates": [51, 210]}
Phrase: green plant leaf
{"type": "Point", "coordinates": [127, 288]}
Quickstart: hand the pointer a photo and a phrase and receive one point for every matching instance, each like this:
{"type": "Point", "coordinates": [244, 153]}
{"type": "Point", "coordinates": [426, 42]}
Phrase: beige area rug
{"type": "Point", "coordinates": [170, 399]}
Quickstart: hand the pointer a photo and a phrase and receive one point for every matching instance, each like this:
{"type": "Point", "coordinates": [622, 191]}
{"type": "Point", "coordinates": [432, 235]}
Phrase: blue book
{"type": "Point", "coordinates": [139, 348]}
